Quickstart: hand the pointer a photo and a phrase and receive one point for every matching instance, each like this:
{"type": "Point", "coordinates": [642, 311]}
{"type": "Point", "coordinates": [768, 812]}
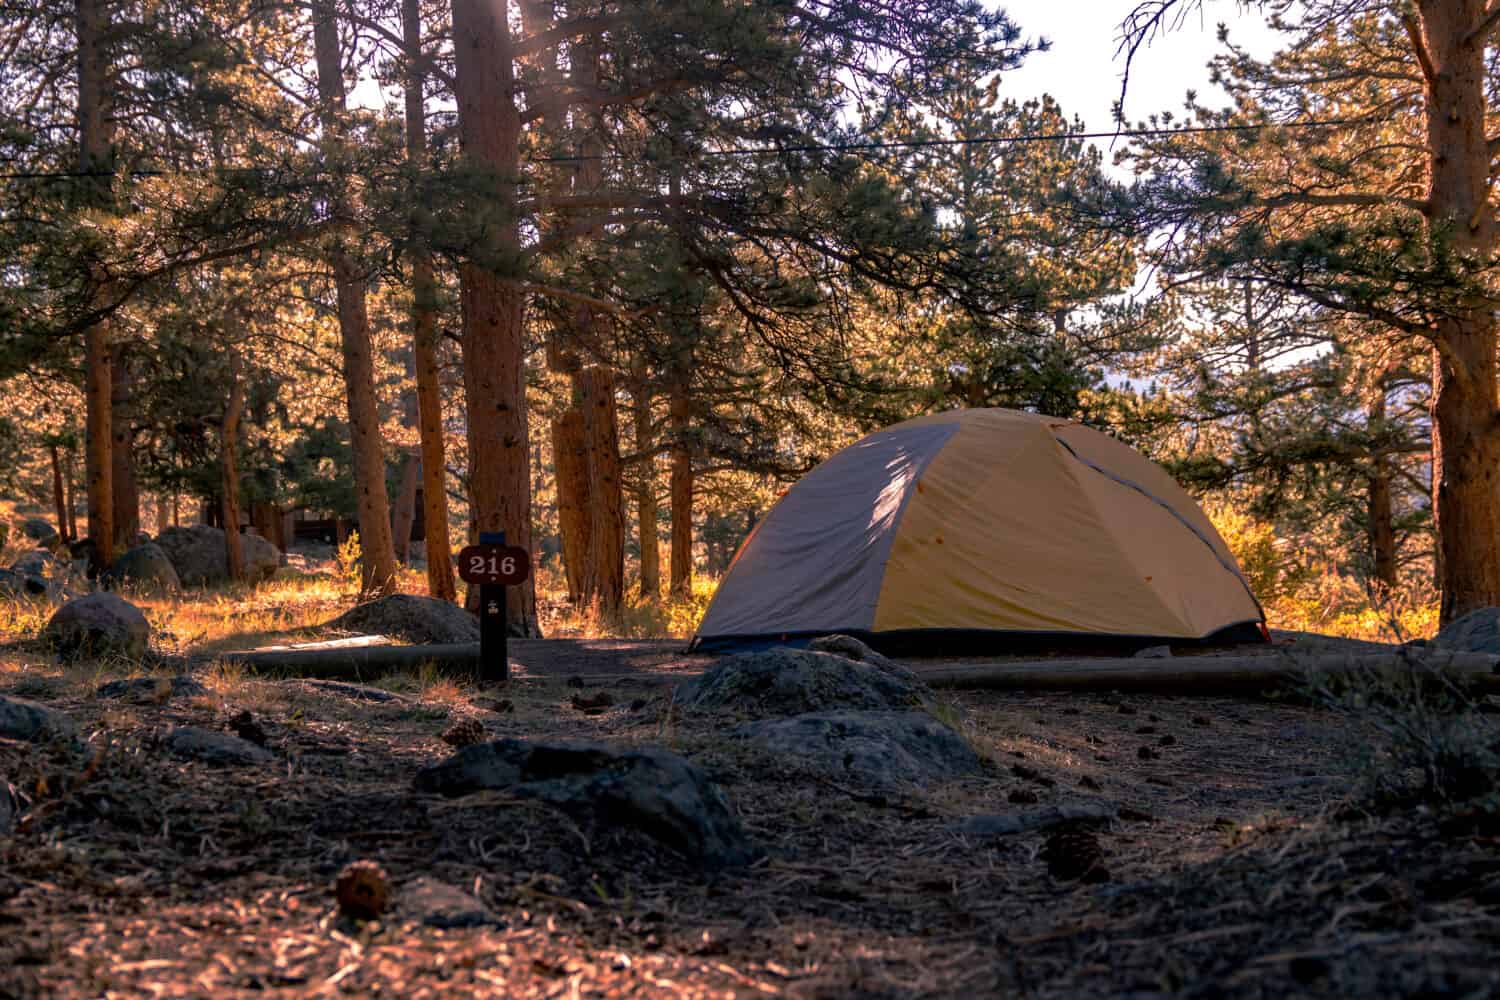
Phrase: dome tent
{"type": "Point", "coordinates": [973, 527]}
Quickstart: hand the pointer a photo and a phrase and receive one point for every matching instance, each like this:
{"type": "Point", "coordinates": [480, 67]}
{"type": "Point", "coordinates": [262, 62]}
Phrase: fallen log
{"type": "Point", "coordinates": [1206, 674]}
{"type": "Point", "coordinates": [354, 662]}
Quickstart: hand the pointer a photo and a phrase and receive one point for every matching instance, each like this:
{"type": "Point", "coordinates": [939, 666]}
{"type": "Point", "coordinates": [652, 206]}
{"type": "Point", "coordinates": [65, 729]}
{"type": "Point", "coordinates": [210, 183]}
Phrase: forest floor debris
{"type": "Point", "coordinates": [1236, 859]}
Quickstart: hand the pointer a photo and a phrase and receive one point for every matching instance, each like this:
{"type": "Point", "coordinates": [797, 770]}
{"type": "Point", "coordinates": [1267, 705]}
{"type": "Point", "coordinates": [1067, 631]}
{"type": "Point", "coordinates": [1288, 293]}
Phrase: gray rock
{"type": "Point", "coordinates": [1154, 653]}
{"type": "Point", "coordinates": [39, 572]}
{"type": "Point", "coordinates": [215, 748]}
{"type": "Point", "coordinates": [882, 749]}
{"type": "Point", "coordinates": [647, 789]}
{"type": "Point", "coordinates": [146, 566]}
{"type": "Point", "coordinates": [155, 689]}
{"type": "Point", "coordinates": [1476, 632]}
{"type": "Point", "coordinates": [13, 584]}
{"type": "Point", "coordinates": [33, 723]}
{"type": "Point", "coordinates": [795, 681]}
{"type": "Point", "coordinates": [98, 625]}
{"type": "Point", "coordinates": [197, 553]}
{"type": "Point", "coordinates": [38, 529]}
{"type": "Point", "coordinates": [411, 618]}
{"type": "Point", "coordinates": [440, 905]}
{"type": "Point", "coordinates": [262, 557]}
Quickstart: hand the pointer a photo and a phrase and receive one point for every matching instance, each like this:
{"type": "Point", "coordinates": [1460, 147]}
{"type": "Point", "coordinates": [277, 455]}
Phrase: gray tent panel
{"type": "Point", "coordinates": [818, 558]}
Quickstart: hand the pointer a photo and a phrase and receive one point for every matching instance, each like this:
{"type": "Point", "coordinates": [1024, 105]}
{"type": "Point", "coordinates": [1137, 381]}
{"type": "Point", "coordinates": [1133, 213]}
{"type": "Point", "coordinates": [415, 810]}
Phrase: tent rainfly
{"type": "Point", "coordinates": [974, 527]}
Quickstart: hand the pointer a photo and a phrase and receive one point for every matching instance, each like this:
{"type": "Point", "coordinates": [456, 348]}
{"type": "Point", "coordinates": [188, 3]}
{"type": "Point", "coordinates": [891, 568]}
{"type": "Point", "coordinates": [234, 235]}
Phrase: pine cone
{"type": "Point", "coordinates": [363, 890]}
{"type": "Point", "coordinates": [464, 732]}
{"type": "Point", "coordinates": [246, 728]}
{"type": "Point", "coordinates": [1074, 852]}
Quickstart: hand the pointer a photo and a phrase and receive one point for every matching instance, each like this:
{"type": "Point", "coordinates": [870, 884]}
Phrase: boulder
{"type": "Point", "coordinates": [1476, 632]}
{"type": "Point", "coordinates": [152, 689]}
{"type": "Point", "coordinates": [197, 553]}
{"type": "Point", "coordinates": [437, 904]}
{"type": "Point", "coordinates": [215, 748]}
{"type": "Point", "coordinates": [38, 573]}
{"type": "Point", "coordinates": [411, 618]}
{"type": "Point", "coordinates": [32, 723]}
{"type": "Point", "coordinates": [146, 567]}
{"type": "Point", "coordinates": [38, 529]}
{"type": "Point", "coordinates": [98, 625]}
{"type": "Point", "coordinates": [647, 789]}
{"type": "Point", "coordinates": [881, 749]}
{"type": "Point", "coordinates": [13, 584]}
{"type": "Point", "coordinates": [778, 682]}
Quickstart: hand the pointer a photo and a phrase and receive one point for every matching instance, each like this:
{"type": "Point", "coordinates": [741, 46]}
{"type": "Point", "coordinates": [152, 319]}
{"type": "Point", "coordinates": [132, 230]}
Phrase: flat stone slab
{"type": "Point", "coordinates": [884, 749]}
{"type": "Point", "coordinates": [647, 789]}
{"type": "Point", "coordinates": [1026, 821]}
{"type": "Point", "coordinates": [33, 723]}
{"type": "Point", "coordinates": [152, 689]}
{"type": "Point", "coordinates": [216, 748]}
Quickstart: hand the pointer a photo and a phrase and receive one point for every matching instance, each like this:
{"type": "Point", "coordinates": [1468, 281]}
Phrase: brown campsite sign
{"type": "Point", "coordinates": [503, 565]}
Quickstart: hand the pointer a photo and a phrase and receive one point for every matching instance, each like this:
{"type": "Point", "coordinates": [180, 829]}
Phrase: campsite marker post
{"type": "Point", "coordinates": [493, 566]}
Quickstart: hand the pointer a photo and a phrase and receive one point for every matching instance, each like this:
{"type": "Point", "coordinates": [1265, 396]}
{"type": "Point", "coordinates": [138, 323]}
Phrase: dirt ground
{"type": "Point", "coordinates": [1238, 864]}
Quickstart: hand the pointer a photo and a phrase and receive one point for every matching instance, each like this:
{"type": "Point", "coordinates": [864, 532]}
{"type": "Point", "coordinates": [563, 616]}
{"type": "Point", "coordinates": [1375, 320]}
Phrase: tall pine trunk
{"type": "Point", "coordinates": [1468, 494]}
{"type": "Point", "coordinates": [424, 332]}
{"type": "Point", "coordinates": [70, 502]}
{"type": "Point", "coordinates": [59, 497]}
{"type": "Point", "coordinates": [229, 483]}
{"type": "Point", "coordinates": [126, 492]}
{"type": "Point", "coordinates": [645, 484]}
{"type": "Point", "coordinates": [604, 573]}
{"type": "Point", "coordinates": [679, 409]}
{"type": "Point", "coordinates": [378, 557]}
{"type": "Point", "coordinates": [570, 466]}
{"type": "Point", "coordinates": [489, 126]}
{"type": "Point", "coordinates": [95, 157]}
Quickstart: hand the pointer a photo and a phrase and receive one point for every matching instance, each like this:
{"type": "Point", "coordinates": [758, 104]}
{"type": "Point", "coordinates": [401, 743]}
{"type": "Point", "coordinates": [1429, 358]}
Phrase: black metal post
{"type": "Point", "coordinates": [494, 652]}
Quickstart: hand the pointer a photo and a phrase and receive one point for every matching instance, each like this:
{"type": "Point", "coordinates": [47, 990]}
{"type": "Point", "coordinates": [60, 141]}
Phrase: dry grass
{"type": "Point", "coordinates": [1332, 604]}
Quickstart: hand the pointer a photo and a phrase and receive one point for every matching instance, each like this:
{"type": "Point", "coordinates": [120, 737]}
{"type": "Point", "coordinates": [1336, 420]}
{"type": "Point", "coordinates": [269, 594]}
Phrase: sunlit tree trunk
{"type": "Point", "coordinates": [96, 157]}
{"type": "Point", "coordinates": [570, 469]}
{"type": "Point", "coordinates": [492, 302]}
{"type": "Point", "coordinates": [1452, 49]}
{"type": "Point", "coordinates": [378, 562]}
{"type": "Point", "coordinates": [425, 334]}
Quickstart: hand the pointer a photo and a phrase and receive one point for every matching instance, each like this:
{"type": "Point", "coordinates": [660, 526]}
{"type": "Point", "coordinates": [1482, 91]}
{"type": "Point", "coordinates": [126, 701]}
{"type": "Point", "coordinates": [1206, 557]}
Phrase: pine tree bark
{"type": "Point", "coordinates": [489, 126]}
{"type": "Point", "coordinates": [229, 482]}
{"type": "Point", "coordinates": [679, 409]}
{"type": "Point", "coordinates": [424, 331]}
{"type": "Point", "coordinates": [1435, 471]}
{"type": "Point", "coordinates": [378, 557]}
{"type": "Point", "coordinates": [604, 575]}
{"type": "Point", "coordinates": [1468, 501]}
{"type": "Point", "coordinates": [570, 467]}
{"type": "Point", "coordinates": [96, 158]}
{"type": "Point", "coordinates": [126, 492]}
{"type": "Point", "coordinates": [59, 497]}
{"type": "Point", "coordinates": [70, 502]}
{"type": "Point", "coordinates": [645, 484]}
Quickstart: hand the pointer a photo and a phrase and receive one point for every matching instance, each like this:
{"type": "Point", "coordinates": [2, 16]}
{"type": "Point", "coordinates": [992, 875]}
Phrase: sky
{"type": "Point", "coordinates": [1082, 71]}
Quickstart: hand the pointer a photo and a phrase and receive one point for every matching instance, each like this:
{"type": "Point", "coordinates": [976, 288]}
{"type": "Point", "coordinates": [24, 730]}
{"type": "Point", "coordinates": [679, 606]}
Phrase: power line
{"type": "Point", "coordinates": [852, 147]}
{"type": "Point", "coordinates": [987, 140]}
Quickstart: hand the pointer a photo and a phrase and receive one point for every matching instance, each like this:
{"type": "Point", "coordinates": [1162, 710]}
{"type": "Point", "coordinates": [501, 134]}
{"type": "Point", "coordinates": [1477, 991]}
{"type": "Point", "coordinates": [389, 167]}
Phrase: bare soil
{"type": "Point", "coordinates": [1240, 864]}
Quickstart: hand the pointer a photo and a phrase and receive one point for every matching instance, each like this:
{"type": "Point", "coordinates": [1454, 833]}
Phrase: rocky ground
{"type": "Point", "coordinates": [185, 840]}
